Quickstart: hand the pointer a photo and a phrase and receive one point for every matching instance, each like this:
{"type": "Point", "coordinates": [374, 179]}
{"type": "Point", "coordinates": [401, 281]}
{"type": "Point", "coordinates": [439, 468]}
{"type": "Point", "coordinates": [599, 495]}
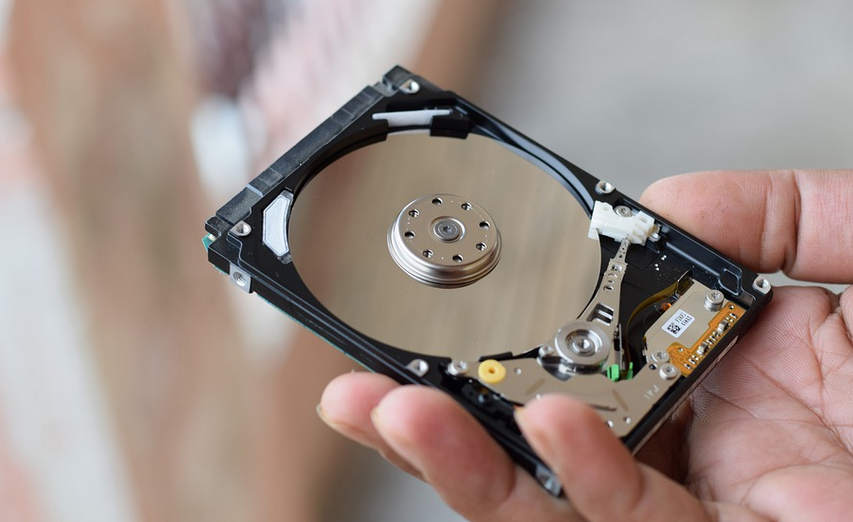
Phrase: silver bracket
{"type": "Point", "coordinates": [549, 480]}
{"type": "Point", "coordinates": [761, 284]}
{"type": "Point", "coordinates": [240, 278]}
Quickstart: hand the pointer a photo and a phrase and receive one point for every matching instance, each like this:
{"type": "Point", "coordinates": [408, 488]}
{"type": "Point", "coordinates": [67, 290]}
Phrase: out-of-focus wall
{"type": "Point", "coordinates": [128, 391]}
{"type": "Point", "coordinates": [136, 384]}
{"type": "Point", "coordinates": [635, 91]}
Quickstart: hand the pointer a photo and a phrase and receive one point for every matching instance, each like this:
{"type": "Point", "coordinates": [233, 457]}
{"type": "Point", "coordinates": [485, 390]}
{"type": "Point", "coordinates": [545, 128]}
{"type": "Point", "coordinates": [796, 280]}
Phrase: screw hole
{"type": "Point", "coordinates": [409, 234]}
{"type": "Point", "coordinates": [437, 201]}
{"type": "Point", "coordinates": [603, 187]}
{"type": "Point", "coordinates": [484, 225]}
{"type": "Point", "coordinates": [457, 258]}
{"type": "Point", "coordinates": [242, 229]}
{"type": "Point", "coordinates": [481, 246]}
{"type": "Point", "coordinates": [410, 86]}
{"type": "Point", "coordinates": [427, 253]}
{"type": "Point", "coordinates": [466, 206]}
{"type": "Point", "coordinates": [414, 212]}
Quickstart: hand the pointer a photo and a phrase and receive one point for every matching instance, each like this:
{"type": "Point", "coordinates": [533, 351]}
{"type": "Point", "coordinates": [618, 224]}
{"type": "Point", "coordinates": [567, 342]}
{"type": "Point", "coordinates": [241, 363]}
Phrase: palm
{"type": "Point", "coordinates": [772, 425]}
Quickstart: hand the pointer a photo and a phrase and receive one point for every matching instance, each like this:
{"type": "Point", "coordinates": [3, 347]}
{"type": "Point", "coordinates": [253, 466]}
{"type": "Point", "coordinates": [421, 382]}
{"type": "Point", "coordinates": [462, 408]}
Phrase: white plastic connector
{"type": "Point", "coordinates": [275, 224]}
{"type": "Point", "coordinates": [607, 222]}
{"type": "Point", "coordinates": [421, 118]}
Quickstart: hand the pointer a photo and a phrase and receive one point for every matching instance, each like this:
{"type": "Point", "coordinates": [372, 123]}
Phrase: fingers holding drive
{"type": "Point", "coordinates": [782, 220]}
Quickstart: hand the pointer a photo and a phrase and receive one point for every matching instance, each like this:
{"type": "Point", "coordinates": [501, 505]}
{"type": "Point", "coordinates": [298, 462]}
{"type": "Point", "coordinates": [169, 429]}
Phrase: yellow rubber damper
{"type": "Point", "coordinates": [491, 371]}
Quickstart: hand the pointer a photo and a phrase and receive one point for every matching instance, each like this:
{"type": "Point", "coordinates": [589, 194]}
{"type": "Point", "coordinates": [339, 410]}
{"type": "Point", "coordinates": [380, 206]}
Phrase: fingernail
{"type": "Point", "coordinates": [328, 421]}
{"type": "Point", "coordinates": [322, 414]}
{"type": "Point", "coordinates": [519, 416]}
{"type": "Point", "coordinates": [533, 433]}
{"type": "Point", "coordinates": [374, 417]}
{"type": "Point", "coordinates": [523, 421]}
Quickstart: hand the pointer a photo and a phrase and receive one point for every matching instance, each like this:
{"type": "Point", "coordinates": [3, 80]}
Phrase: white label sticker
{"type": "Point", "coordinates": [679, 322]}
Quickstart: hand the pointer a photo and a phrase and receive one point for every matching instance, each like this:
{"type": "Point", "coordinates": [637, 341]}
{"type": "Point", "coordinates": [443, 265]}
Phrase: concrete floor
{"type": "Point", "coordinates": [635, 91]}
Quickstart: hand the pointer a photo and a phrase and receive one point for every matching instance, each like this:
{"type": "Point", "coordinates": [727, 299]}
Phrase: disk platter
{"type": "Point", "coordinates": [546, 272]}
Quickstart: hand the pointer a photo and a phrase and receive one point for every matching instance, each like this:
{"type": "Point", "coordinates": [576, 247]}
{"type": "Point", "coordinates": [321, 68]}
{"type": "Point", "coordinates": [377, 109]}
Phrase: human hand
{"type": "Point", "coordinates": [767, 436]}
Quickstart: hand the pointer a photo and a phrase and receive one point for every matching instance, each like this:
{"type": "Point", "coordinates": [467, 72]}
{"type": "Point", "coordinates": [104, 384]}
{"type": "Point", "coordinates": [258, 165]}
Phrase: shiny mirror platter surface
{"type": "Point", "coordinates": [548, 267]}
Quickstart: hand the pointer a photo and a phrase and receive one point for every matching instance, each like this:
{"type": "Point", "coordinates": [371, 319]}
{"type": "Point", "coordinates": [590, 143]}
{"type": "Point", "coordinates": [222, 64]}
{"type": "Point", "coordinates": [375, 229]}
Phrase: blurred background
{"type": "Point", "coordinates": [135, 383]}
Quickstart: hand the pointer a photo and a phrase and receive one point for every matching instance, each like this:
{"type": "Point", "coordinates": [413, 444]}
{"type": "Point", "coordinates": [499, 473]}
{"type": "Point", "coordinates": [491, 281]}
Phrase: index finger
{"type": "Point", "coordinates": [798, 221]}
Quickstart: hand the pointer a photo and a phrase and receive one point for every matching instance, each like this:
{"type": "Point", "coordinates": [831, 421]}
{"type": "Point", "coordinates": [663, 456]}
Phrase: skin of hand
{"type": "Point", "coordinates": [768, 435]}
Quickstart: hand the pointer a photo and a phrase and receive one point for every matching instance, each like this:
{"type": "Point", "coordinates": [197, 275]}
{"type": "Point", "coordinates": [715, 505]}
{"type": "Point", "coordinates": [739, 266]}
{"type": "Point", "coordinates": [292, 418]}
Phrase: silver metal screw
{"type": "Point", "coordinates": [623, 211]}
{"type": "Point", "coordinates": [547, 351]}
{"type": "Point", "coordinates": [581, 345]}
{"type": "Point", "coordinates": [660, 356]}
{"type": "Point", "coordinates": [762, 284]}
{"type": "Point", "coordinates": [418, 366]}
{"type": "Point", "coordinates": [713, 300]}
{"type": "Point", "coordinates": [669, 372]}
{"type": "Point", "coordinates": [410, 86]}
{"type": "Point", "coordinates": [457, 368]}
{"type": "Point", "coordinates": [447, 230]}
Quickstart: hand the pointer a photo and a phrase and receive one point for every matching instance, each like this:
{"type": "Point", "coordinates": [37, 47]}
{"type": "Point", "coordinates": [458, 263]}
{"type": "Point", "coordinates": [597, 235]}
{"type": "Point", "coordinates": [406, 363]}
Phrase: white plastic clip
{"type": "Point", "coordinates": [275, 224]}
{"type": "Point", "coordinates": [607, 222]}
{"type": "Point", "coordinates": [421, 118]}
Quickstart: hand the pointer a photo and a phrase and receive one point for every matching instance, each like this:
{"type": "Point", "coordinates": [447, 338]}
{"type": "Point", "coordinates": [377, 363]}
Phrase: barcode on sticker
{"type": "Point", "coordinates": [679, 322]}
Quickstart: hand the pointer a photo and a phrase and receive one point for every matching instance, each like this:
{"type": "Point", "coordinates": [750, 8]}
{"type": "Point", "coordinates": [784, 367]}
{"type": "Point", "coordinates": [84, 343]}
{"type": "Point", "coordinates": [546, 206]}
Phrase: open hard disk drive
{"type": "Point", "coordinates": [435, 244]}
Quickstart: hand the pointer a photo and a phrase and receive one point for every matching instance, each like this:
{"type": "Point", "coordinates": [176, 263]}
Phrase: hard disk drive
{"type": "Point", "coordinates": [433, 243]}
